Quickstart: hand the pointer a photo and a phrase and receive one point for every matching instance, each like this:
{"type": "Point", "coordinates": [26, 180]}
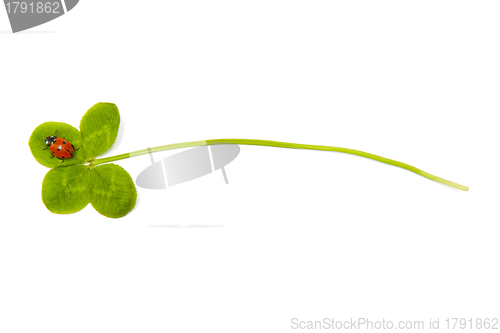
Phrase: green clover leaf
{"type": "Point", "coordinates": [111, 190]}
{"type": "Point", "coordinates": [73, 183]}
{"type": "Point", "coordinates": [43, 155]}
{"type": "Point", "coordinates": [99, 128]}
{"type": "Point", "coordinates": [64, 190]}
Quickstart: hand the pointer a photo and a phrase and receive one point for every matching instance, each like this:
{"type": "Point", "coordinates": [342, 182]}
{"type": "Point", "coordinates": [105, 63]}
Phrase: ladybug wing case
{"type": "Point", "coordinates": [61, 149]}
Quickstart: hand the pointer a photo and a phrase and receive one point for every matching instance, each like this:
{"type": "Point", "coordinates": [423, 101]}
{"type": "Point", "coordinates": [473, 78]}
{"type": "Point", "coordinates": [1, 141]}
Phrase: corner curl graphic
{"type": "Point", "coordinates": [26, 14]}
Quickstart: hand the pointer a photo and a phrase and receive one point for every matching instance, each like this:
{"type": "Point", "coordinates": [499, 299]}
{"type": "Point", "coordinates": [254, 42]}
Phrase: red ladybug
{"type": "Point", "coordinates": [59, 147]}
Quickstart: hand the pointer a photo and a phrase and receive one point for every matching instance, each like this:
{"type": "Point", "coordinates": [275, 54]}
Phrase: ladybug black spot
{"type": "Point", "coordinates": [64, 142]}
{"type": "Point", "coordinates": [63, 157]}
{"type": "Point", "coordinates": [58, 148]}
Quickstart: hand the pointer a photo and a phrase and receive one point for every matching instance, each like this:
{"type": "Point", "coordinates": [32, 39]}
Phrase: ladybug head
{"type": "Point", "coordinates": [49, 140]}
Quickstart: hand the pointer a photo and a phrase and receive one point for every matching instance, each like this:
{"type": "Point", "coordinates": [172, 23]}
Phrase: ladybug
{"type": "Point", "coordinates": [59, 147]}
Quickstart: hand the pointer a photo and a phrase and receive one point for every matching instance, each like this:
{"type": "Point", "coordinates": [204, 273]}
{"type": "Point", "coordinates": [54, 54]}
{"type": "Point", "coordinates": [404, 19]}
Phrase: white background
{"type": "Point", "coordinates": [301, 234]}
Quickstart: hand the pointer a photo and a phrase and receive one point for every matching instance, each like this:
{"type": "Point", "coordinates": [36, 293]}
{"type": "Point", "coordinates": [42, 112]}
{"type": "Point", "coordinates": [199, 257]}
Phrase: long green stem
{"type": "Point", "coordinates": [281, 145]}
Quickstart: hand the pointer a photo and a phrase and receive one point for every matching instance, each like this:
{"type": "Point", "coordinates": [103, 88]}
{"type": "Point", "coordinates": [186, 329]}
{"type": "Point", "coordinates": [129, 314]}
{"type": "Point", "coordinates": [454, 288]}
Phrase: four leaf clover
{"type": "Point", "coordinates": [71, 185]}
